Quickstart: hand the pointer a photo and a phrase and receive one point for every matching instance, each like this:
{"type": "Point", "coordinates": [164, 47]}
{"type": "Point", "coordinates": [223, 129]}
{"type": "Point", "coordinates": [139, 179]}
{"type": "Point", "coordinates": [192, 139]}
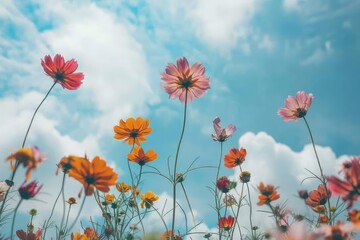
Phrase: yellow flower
{"type": "Point", "coordinates": [109, 198]}
{"type": "Point", "coordinates": [148, 199]}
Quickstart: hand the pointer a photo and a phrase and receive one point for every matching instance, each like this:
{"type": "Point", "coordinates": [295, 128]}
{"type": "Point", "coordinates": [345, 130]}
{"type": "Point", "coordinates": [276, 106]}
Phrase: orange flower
{"type": "Point", "coordinates": [109, 198]}
{"type": "Point", "coordinates": [354, 216]}
{"type": "Point", "coordinates": [30, 158]}
{"type": "Point", "coordinates": [148, 199]}
{"type": "Point", "coordinates": [93, 174]}
{"type": "Point", "coordinates": [268, 194]}
{"type": "Point", "coordinates": [79, 236]}
{"type": "Point", "coordinates": [123, 187]}
{"type": "Point", "coordinates": [317, 197]}
{"type": "Point", "coordinates": [136, 192]}
{"type": "Point", "coordinates": [90, 233]}
{"type": "Point", "coordinates": [132, 131]}
{"type": "Point", "coordinates": [140, 157]}
{"type": "Point", "coordinates": [235, 157]}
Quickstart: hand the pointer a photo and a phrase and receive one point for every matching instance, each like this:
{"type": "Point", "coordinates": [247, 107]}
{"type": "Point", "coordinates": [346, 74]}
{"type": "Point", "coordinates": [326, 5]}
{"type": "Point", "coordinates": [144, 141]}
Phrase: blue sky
{"type": "Point", "coordinates": [256, 53]}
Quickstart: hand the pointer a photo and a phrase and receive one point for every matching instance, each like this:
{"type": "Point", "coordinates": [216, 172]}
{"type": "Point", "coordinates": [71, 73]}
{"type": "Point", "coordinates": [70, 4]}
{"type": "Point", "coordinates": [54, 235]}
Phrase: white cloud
{"type": "Point", "coordinates": [319, 54]}
{"type": "Point", "coordinates": [222, 25]}
{"type": "Point", "coordinates": [291, 5]}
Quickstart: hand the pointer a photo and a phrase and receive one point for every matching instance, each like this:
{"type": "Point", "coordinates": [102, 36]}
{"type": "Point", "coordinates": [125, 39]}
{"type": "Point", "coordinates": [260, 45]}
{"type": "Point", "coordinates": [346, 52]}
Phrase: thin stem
{"type": "Point", "coordinates": [250, 215]}
{"type": "Point", "coordinates": [321, 170]}
{"type": "Point", "coordinates": [7, 192]}
{"type": "Point", "coordinates": [63, 200]}
{"type": "Point", "coordinates": [238, 211]}
{"type": "Point", "coordinates": [52, 211]}
{"type": "Point", "coordinates": [32, 119]}
{"type": "Point", "coordinates": [216, 189]}
{"type": "Point", "coordinates": [78, 215]}
{"type": "Point", "coordinates": [67, 217]}
{"type": "Point", "coordinates": [13, 220]}
{"type": "Point", "coordinates": [175, 165]}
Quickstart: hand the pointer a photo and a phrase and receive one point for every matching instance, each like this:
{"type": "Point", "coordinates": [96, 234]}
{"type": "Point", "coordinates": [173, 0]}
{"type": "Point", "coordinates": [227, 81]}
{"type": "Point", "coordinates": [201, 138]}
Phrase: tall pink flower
{"type": "Point", "coordinates": [297, 107]}
{"type": "Point", "coordinates": [348, 189]}
{"type": "Point", "coordinates": [182, 80]}
{"type": "Point", "coordinates": [29, 190]}
{"type": "Point", "coordinates": [62, 72]}
{"type": "Point", "coordinates": [222, 134]}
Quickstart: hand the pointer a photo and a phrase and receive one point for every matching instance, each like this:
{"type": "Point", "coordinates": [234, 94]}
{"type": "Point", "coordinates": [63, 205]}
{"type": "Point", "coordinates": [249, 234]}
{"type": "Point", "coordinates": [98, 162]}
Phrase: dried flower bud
{"type": "Point", "coordinates": [245, 176]}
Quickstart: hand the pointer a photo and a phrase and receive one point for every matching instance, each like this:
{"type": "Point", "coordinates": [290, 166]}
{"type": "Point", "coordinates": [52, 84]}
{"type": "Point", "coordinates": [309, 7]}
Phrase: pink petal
{"type": "Point", "coordinates": [217, 126]}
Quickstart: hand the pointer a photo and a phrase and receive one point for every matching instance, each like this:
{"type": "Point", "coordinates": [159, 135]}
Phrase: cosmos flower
{"type": "Point", "coordinates": [62, 72]}
{"type": "Point", "coordinates": [29, 190]}
{"type": "Point", "coordinates": [245, 176]}
{"type": "Point", "coordinates": [109, 198]}
{"type": "Point", "coordinates": [169, 235]}
{"type": "Point", "coordinates": [297, 107]}
{"type": "Point", "coordinates": [132, 131]}
{"type": "Point", "coordinates": [222, 134]}
{"type": "Point", "coordinates": [28, 236]}
{"type": "Point", "coordinates": [317, 197]}
{"type": "Point", "coordinates": [123, 187]}
{"type": "Point", "coordinates": [71, 201]}
{"type": "Point", "coordinates": [268, 194]}
{"type": "Point", "coordinates": [65, 164]}
{"type": "Point", "coordinates": [138, 156]}
{"type": "Point", "coordinates": [348, 189]}
{"type": "Point", "coordinates": [223, 184]}
{"type": "Point", "coordinates": [182, 80]}
{"type": "Point", "coordinates": [226, 223]}
{"type": "Point", "coordinates": [235, 157]}
{"type": "Point", "coordinates": [148, 199]}
{"type": "Point", "coordinates": [30, 158]}
{"type": "Point", "coordinates": [94, 174]}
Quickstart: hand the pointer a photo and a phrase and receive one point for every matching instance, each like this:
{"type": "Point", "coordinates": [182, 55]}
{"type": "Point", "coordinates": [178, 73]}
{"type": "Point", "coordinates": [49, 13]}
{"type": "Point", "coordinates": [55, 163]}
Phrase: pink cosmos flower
{"type": "Point", "coordinates": [63, 72]}
{"type": "Point", "coordinates": [348, 189]}
{"type": "Point", "coordinates": [223, 184]}
{"type": "Point", "coordinates": [182, 80]}
{"type": "Point", "coordinates": [297, 107]}
{"type": "Point", "coordinates": [29, 190]}
{"type": "Point", "coordinates": [222, 134]}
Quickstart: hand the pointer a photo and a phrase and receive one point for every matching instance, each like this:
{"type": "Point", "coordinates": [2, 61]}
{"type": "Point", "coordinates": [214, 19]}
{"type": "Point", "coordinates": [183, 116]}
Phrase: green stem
{"type": "Point", "coordinates": [175, 165]}
{"type": "Point", "coordinates": [53, 208]}
{"type": "Point", "coordinates": [13, 220]}
{"type": "Point", "coordinates": [321, 170]}
{"type": "Point", "coordinates": [67, 218]}
{"type": "Point", "coordinates": [238, 211]}
{"type": "Point", "coordinates": [217, 201]}
{"type": "Point", "coordinates": [78, 215]}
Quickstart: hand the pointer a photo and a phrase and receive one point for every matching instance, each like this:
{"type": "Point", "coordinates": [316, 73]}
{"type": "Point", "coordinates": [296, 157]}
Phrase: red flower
{"type": "Point", "coordinates": [182, 80]}
{"type": "Point", "coordinates": [317, 197]}
{"type": "Point", "coordinates": [28, 236]}
{"type": "Point", "coordinates": [223, 184]}
{"type": "Point", "coordinates": [348, 190]}
{"type": "Point", "coordinates": [62, 72]}
{"type": "Point", "coordinates": [268, 194]}
{"type": "Point", "coordinates": [29, 190]}
{"type": "Point", "coordinates": [226, 223]}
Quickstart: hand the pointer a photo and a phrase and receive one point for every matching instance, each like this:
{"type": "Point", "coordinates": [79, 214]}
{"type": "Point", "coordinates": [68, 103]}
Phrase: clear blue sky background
{"type": "Point", "coordinates": [256, 53]}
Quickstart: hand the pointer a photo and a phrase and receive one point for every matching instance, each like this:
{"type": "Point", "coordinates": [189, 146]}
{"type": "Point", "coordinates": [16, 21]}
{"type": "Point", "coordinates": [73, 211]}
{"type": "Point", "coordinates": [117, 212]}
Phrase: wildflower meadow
{"type": "Point", "coordinates": [145, 180]}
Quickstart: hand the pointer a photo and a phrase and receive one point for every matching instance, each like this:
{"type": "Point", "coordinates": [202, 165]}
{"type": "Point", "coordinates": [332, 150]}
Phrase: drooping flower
{"type": "Point", "coordinates": [303, 194]}
{"type": "Point", "coordinates": [222, 134]}
{"type": "Point", "coordinates": [245, 176]}
{"type": "Point", "coordinates": [3, 188]}
{"type": "Point", "coordinates": [62, 72]}
{"type": "Point", "coordinates": [348, 189]}
{"type": "Point", "coordinates": [71, 201]}
{"type": "Point", "coordinates": [138, 156]}
{"type": "Point", "coordinates": [132, 131]}
{"type": "Point", "coordinates": [185, 82]}
{"type": "Point", "coordinates": [226, 223]}
{"type": "Point", "coordinates": [317, 198]}
{"type": "Point", "coordinates": [297, 107]}
{"type": "Point", "coordinates": [29, 190]}
{"type": "Point", "coordinates": [268, 194]}
{"type": "Point", "coordinates": [235, 157]}
{"type": "Point", "coordinates": [28, 236]}
{"type": "Point", "coordinates": [65, 164]}
{"type": "Point", "coordinates": [223, 184]}
{"type": "Point", "coordinates": [30, 158]}
{"type": "Point", "coordinates": [94, 174]}
{"type": "Point", "coordinates": [148, 199]}
{"type": "Point", "coordinates": [123, 187]}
